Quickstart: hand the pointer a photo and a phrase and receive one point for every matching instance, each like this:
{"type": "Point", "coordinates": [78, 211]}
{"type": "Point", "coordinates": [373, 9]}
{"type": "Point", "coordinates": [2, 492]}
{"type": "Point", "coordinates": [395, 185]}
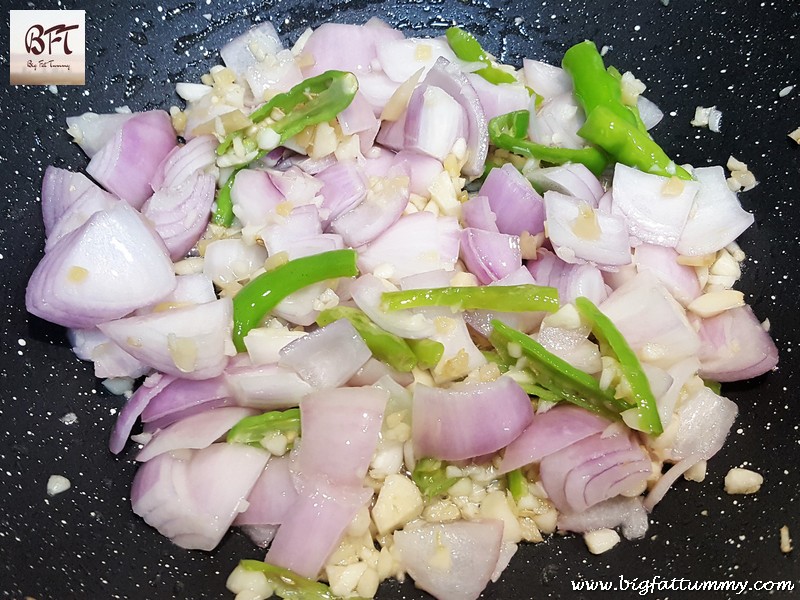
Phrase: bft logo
{"type": "Point", "coordinates": [35, 38]}
{"type": "Point", "coordinates": [48, 47]}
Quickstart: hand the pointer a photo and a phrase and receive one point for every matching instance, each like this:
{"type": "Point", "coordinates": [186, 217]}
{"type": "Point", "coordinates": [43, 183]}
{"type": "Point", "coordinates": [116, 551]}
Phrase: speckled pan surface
{"type": "Point", "coordinates": [86, 542]}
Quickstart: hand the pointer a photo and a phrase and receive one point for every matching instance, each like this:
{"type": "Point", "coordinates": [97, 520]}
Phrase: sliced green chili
{"type": "Point", "coordinates": [428, 352]}
{"type": "Point", "coordinates": [388, 347]}
{"type": "Point", "coordinates": [263, 293]}
{"type": "Point", "coordinates": [517, 484]}
{"type": "Point", "coordinates": [628, 144]}
{"type": "Point", "coordinates": [288, 584]}
{"type": "Point", "coordinates": [511, 298]}
{"type": "Point", "coordinates": [508, 131]}
{"type": "Point", "coordinates": [251, 430]}
{"type": "Point", "coordinates": [467, 48]}
{"type": "Point", "coordinates": [614, 344]}
{"type": "Point", "coordinates": [223, 214]}
{"type": "Point", "coordinates": [431, 478]}
{"type": "Point", "coordinates": [714, 386]}
{"type": "Point", "coordinates": [593, 85]}
{"type": "Point", "coordinates": [559, 377]}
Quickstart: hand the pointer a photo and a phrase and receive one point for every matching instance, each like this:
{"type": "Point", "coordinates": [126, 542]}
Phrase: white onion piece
{"type": "Point", "coordinates": [195, 431]}
{"type": "Point", "coordinates": [344, 47]}
{"type": "Point", "coordinates": [392, 134]}
{"type": "Point", "coordinates": [512, 198]}
{"type": "Point", "coordinates": [422, 170]}
{"type": "Point", "coordinates": [704, 420]}
{"type": "Point", "coordinates": [377, 89]}
{"type": "Point", "coordinates": [572, 281]}
{"type": "Point", "coordinates": [272, 496]}
{"type": "Point", "coordinates": [477, 214]}
{"type": "Point", "coordinates": [341, 428]}
{"type": "Point", "coordinates": [653, 215]}
{"type": "Point", "coordinates": [652, 321]}
{"type": "Point", "coordinates": [92, 201]}
{"type": "Point", "coordinates": [556, 122]}
{"type": "Point", "coordinates": [296, 185]}
{"type": "Point", "coordinates": [402, 58]}
{"type": "Point", "coordinates": [451, 424]}
{"type": "Point", "coordinates": [254, 197]}
{"type": "Point", "coordinates": [449, 78]}
{"type": "Point", "coordinates": [267, 387]}
{"type": "Point", "coordinates": [313, 358]}
{"type": "Point", "coordinates": [230, 260]}
{"type": "Point", "coordinates": [276, 73]}
{"type": "Point", "coordinates": [134, 407]}
{"type": "Point", "coordinates": [248, 49]}
{"type": "Point", "coordinates": [499, 99]}
{"type": "Point", "coordinates": [127, 162]}
{"type": "Point", "coordinates": [111, 265]}
{"type": "Point", "coordinates": [265, 343]}
{"type": "Point", "coordinates": [607, 247]}
{"type": "Point", "coordinates": [717, 218]}
{"type": "Point", "coordinates": [627, 513]}
{"type": "Point", "coordinates": [374, 370]}
{"type": "Point", "coordinates": [680, 373]}
{"type": "Point", "coordinates": [649, 112]}
{"type": "Point", "coordinates": [410, 324]}
{"type": "Point", "coordinates": [325, 511]}
{"type": "Point", "coordinates": [661, 261]}
{"type": "Point", "coordinates": [434, 121]}
{"type": "Point", "coordinates": [301, 307]}
{"type": "Point", "coordinates": [91, 131]}
{"type": "Point", "coordinates": [189, 341]}
{"type": "Point", "coordinates": [436, 245]}
{"type": "Point", "coordinates": [357, 117]}
{"type": "Point", "coordinates": [659, 490]}
{"type": "Point", "coordinates": [573, 179]}
{"type": "Point", "coordinates": [549, 432]}
{"type": "Point", "coordinates": [180, 214]}
{"type": "Point", "coordinates": [571, 345]}
{"type": "Point", "coordinates": [734, 346]}
{"type": "Point", "coordinates": [344, 186]}
{"type": "Point", "coordinates": [60, 188]}
{"type": "Point", "coordinates": [599, 453]}
{"type": "Point", "coordinates": [197, 155]}
{"type": "Point", "coordinates": [193, 288]}
{"type": "Point", "coordinates": [384, 203]}
{"type": "Point", "coordinates": [546, 80]}
{"type": "Point", "coordinates": [184, 397]}
{"type": "Point", "coordinates": [488, 255]}
{"type": "Point", "coordinates": [193, 496]}
{"type": "Point", "coordinates": [285, 233]}
{"type": "Point", "coordinates": [109, 359]}
{"type": "Point", "coordinates": [450, 561]}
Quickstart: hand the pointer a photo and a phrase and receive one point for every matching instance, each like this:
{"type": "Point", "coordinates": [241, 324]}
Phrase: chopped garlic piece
{"type": "Point", "coordinates": [714, 303]}
{"type": "Point", "coordinates": [707, 117]}
{"type": "Point", "coordinates": [585, 225]}
{"type": "Point", "coordinates": [786, 541]}
{"type": "Point", "coordinates": [77, 274]}
{"type": "Point", "coordinates": [795, 135]}
{"type": "Point", "coordinates": [57, 484]}
{"type": "Point", "coordinates": [183, 352]}
{"type": "Point", "coordinates": [673, 187]}
{"type": "Point", "coordinates": [398, 503]}
{"type": "Point", "coordinates": [632, 88]}
{"type": "Point", "coordinates": [742, 481]}
{"type": "Point", "coordinates": [697, 472]}
{"type": "Point", "coordinates": [248, 585]}
{"type": "Point", "coordinates": [529, 244]}
{"type": "Point", "coordinates": [601, 540]}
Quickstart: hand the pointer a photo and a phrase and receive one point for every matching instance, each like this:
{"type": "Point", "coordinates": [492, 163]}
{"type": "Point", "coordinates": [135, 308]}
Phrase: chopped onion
{"type": "Point", "coordinates": [517, 205]}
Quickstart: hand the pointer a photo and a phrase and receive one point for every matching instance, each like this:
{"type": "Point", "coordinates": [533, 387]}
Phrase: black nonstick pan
{"type": "Point", "coordinates": [86, 543]}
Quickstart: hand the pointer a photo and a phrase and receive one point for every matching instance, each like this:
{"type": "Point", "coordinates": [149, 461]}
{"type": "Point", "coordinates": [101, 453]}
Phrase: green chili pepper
{"type": "Point", "coordinates": [714, 386]}
{"type": "Point", "coordinates": [593, 86]}
{"type": "Point", "coordinates": [430, 476]}
{"type": "Point", "coordinates": [251, 430]}
{"type": "Point", "coordinates": [264, 292]}
{"type": "Point", "coordinates": [467, 48]}
{"type": "Point", "coordinates": [223, 214]}
{"type": "Point", "coordinates": [614, 344]}
{"type": "Point", "coordinates": [559, 377]}
{"type": "Point", "coordinates": [288, 584]}
{"type": "Point", "coordinates": [508, 131]}
{"type": "Point", "coordinates": [511, 298]}
{"type": "Point", "coordinates": [428, 352]}
{"type": "Point", "coordinates": [628, 144]}
{"type": "Point", "coordinates": [517, 484]}
{"type": "Point", "coordinates": [386, 346]}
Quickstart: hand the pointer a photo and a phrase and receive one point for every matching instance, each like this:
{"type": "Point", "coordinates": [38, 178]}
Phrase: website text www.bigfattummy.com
{"type": "Point", "coordinates": [678, 584]}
